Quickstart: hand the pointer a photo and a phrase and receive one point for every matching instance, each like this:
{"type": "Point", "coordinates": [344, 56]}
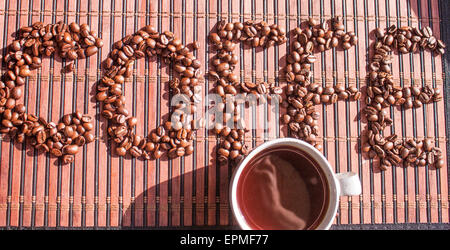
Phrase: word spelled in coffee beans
{"type": "Point", "coordinates": [174, 136]}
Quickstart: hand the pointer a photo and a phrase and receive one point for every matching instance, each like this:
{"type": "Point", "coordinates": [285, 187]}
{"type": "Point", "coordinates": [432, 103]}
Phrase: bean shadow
{"type": "Point", "coordinates": [151, 208]}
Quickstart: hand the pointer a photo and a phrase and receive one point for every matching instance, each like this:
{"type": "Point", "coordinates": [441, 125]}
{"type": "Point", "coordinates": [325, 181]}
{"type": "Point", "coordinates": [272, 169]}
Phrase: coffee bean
{"type": "Point", "coordinates": [196, 45]}
{"type": "Point", "coordinates": [388, 145]}
{"type": "Point", "coordinates": [379, 151]}
{"type": "Point", "coordinates": [120, 131]}
{"type": "Point", "coordinates": [7, 123]}
{"type": "Point", "coordinates": [286, 119]}
{"type": "Point", "coordinates": [312, 21]}
{"type": "Point", "coordinates": [189, 150]}
{"type": "Point", "coordinates": [180, 151]}
{"type": "Point", "coordinates": [74, 27]}
{"type": "Point", "coordinates": [16, 93]}
{"type": "Point", "coordinates": [121, 151]}
{"type": "Point", "coordinates": [24, 71]}
{"type": "Point", "coordinates": [417, 103]}
{"type": "Point", "coordinates": [15, 46]}
{"type": "Point", "coordinates": [56, 152]}
{"type": "Point", "coordinates": [67, 159]}
{"type": "Point", "coordinates": [346, 45]}
{"type": "Point", "coordinates": [439, 163]}
{"type": "Point", "coordinates": [427, 32]}
{"type": "Point", "coordinates": [89, 137]}
{"type": "Point", "coordinates": [372, 118]}
{"type": "Point", "coordinates": [69, 67]}
{"type": "Point", "coordinates": [91, 50]}
{"type": "Point", "coordinates": [41, 137]}
{"type": "Point", "coordinates": [214, 38]}
{"type": "Point", "coordinates": [428, 145]}
{"type": "Point", "coordinates": [135, 151]}
{"type": "Point", "coordinates": [70, 149]}
{"type": "Point", "coordinates": [157, 154]}
{"type": "Point", "coordinates": [236, 145]}
{"type": "Point", "coordinates": [388, 40]}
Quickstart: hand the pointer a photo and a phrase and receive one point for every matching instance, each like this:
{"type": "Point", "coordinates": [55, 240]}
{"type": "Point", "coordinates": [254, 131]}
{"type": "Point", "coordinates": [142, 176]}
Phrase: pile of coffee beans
{"type": "Point", "coordinates": [173, 137]}
{"type": "Point", "coordinates": [24, 54]}
{"type": "Point", "coordinates": [232, 147]}
{"type": "Point", "coordinates": [382, 93]}
{"type": "Point", "coordinates": [302, 95]}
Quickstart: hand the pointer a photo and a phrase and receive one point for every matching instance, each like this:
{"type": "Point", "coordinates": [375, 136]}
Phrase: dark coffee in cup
{"type": "Point", "coordinates": [283, 188]}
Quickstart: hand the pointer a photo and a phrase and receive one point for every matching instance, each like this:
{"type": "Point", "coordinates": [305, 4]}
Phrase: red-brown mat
{"type": "Point", "coordinates": [102, 190]}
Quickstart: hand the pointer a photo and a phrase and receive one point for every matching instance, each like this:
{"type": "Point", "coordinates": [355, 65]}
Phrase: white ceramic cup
{"type": "Point", "coordinates": [338, 184]}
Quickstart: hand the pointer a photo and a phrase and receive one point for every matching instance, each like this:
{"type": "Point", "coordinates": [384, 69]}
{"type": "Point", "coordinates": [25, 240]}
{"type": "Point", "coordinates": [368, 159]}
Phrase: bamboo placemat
{"type": "Point", "coordinates": [100, 190]}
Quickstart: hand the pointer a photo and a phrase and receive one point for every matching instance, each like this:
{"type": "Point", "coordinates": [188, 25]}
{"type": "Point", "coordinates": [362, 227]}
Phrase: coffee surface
{"type": "Point", "coordinates": [282, 188]}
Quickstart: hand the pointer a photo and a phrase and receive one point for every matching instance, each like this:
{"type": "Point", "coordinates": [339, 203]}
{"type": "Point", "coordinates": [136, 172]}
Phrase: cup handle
{"type": "Point", "coordinates": [349, 183]}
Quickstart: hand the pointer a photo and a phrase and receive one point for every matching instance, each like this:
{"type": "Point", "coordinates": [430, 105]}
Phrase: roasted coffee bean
{"type": "Point", "coordinates": [70, 149]}
{"type": "Point", "coordinates": [196, 45]}
{"type": "Point", "coordinates": [439, 163]}
{"type": "Point", "coordinates": [74, 27]}
{"type": "Point", "coordinates": [428, 145]}
{"type": "Point", "coordinates": [404, 152]}
{"type": "Point", "coordinates": [180, 151]}
{"type": "Point", "coordinates": [312, 21]}
{"type": "Point", "coordinates": [10, 103]}
{"type": "Point", "coordinates": [234, 154]}
{"type": "Point", "coordinates": [16, 93]}
{"type": "Point", "coordinates": [68, 68]}
{"type": "Point", "coordinates": [89, 137]}
{"type": "Point", "coordinates": [121, 151]}
{"type": "Point", "coordinates": [56, 152]}
{"type": "Point", "coordinates": [41, 137]}
{"type": "Point", "coordinates": [15, 45]}
{"type": "Point", "coordinates": [346, 45]}
{"type": "Point", "coordinates": [214, 38]}
{"type": "Point", "coordinates": [189, 150]}
{"type": "Point", "coordinates": [388, 40]}
{"type": "Point", "coordinates": [427, 32]}
{"type": "Point", "coordinates": [388, 145]}
{"type": "Point", "coordinates": [135, 151]}
{"type": "Point", "coordinates": [67, 159]}
{"type": "Point", "coordinates": [91, 50]}
{"type": "Point", "coordinates": [417, 103]}
{"type": "Point", "coordinates": [157, 154]}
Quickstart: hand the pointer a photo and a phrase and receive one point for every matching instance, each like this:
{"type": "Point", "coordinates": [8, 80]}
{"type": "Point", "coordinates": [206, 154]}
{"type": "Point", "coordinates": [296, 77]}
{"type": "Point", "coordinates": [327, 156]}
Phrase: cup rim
{"type": "Point", "coordinates": [334, 189]}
